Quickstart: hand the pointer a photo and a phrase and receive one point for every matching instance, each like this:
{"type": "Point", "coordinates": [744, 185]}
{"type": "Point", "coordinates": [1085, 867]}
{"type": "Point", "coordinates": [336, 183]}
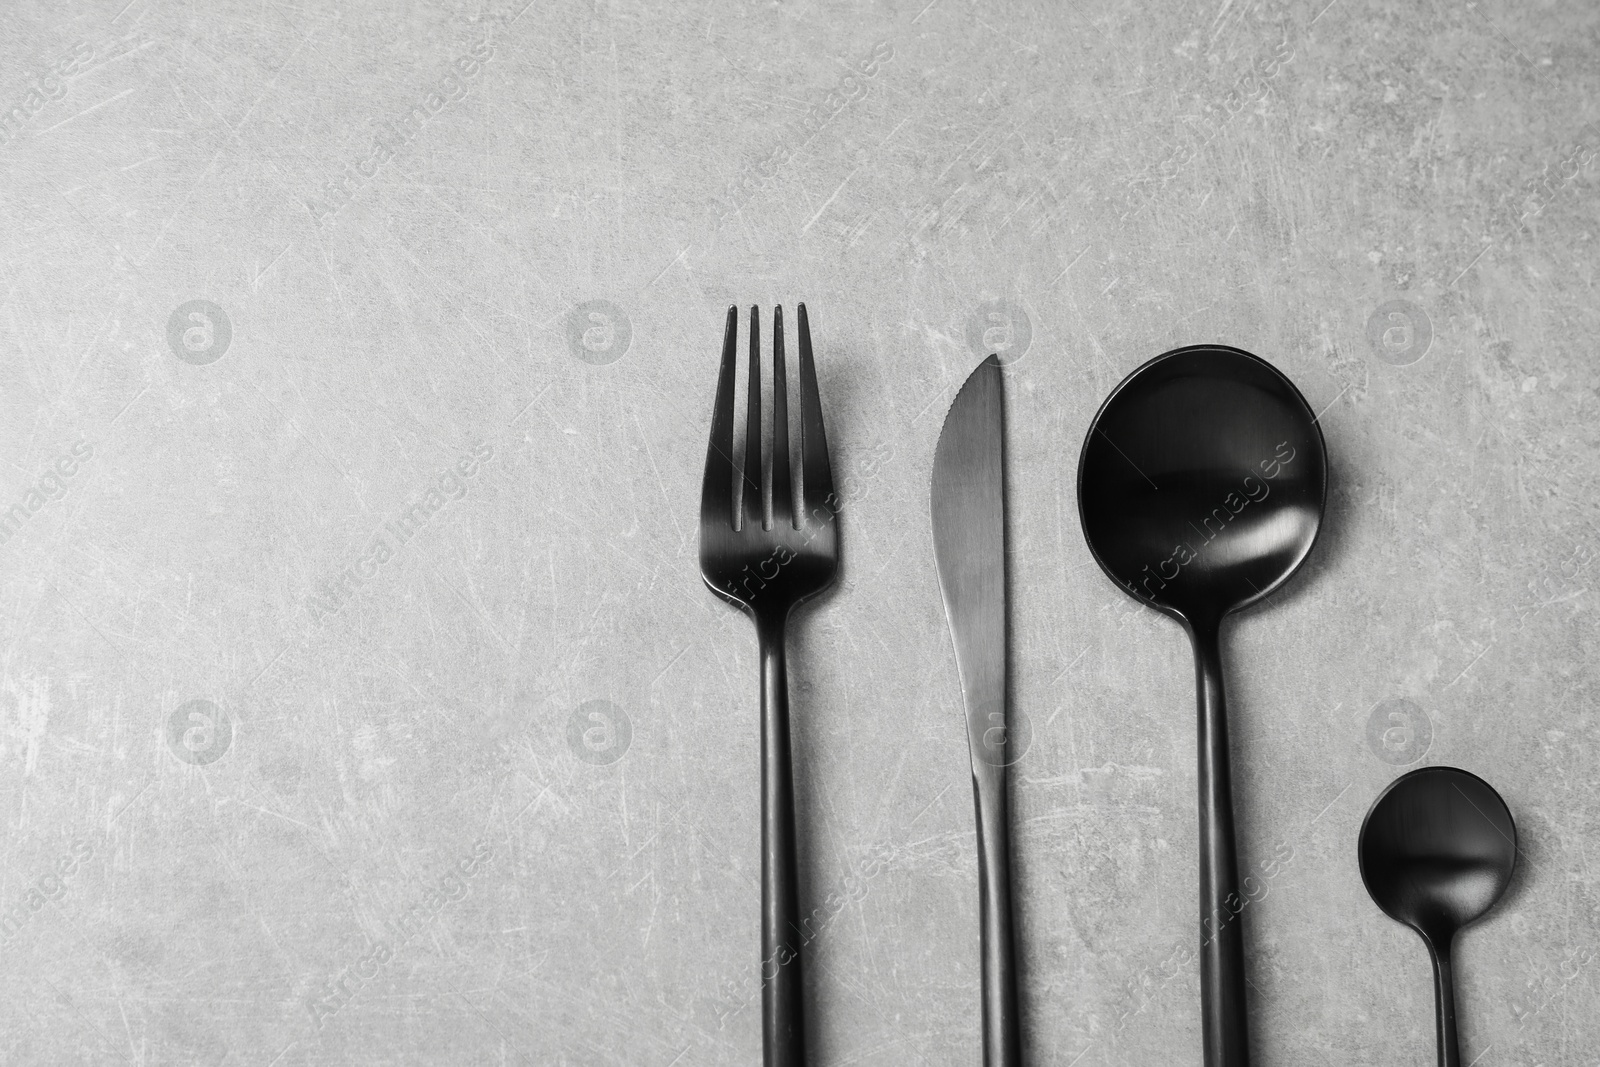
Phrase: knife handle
{"type": "Point", "coordinates": [1222, 988]}
{"type": "Point", "coordinates": [1002, 1039]}
{"type": "Point", "coordinates": [783, 1039]}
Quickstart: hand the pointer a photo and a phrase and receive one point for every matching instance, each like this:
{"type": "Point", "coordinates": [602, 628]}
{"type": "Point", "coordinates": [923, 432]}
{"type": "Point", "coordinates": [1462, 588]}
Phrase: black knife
{"type": "Point", "coordinates": [969, 546]}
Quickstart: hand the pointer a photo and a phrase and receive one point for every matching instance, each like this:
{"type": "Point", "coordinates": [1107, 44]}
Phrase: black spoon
{"type": "Point", "coordinates": [1200, 489]}
{"type": "Point", "coordinates": [1437, 851]}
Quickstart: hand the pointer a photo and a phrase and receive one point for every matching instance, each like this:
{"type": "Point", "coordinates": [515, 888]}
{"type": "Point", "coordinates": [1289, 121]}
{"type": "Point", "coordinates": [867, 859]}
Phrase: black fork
{"type": "Point", "coordinates": [766, 569]}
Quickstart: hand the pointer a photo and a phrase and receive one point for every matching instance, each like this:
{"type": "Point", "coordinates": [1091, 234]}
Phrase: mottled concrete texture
{"type": "Point", "coordinates": [360, 700]}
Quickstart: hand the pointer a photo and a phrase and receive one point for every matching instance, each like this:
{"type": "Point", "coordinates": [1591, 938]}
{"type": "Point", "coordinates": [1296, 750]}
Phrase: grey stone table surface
{"type": "Point", "coordinates": [360, 699]}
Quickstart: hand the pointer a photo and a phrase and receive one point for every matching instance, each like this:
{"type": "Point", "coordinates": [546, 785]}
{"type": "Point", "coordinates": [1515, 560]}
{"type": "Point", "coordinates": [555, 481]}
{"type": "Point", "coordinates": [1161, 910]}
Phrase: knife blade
{"type": "Point", "coordinates": [967, 502]}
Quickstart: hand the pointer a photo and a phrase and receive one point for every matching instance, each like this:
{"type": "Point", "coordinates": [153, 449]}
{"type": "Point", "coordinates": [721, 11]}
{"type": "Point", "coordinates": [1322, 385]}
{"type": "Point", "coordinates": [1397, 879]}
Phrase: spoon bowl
{"type": "Point", "coordinates": [1201, 488]}
{"type": "Point", "coordinates": [1202, 482]}
{"type": "Point", "coordinates": [1437, 851]}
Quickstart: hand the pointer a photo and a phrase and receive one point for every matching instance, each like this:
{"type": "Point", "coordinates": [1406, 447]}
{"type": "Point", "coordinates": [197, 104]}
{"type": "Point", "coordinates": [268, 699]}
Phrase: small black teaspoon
{"type": "Point", "coordinates": [1437, 851]}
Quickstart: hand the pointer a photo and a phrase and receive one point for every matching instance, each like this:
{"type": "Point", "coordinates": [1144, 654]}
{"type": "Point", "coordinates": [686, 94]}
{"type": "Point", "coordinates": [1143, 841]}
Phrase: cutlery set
{"type": "Point", "coordinates": [1201, 487]}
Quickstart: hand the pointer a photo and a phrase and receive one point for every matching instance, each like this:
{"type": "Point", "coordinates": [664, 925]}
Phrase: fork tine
{"type": "Point", "coordinates": [815, 470]}
{"type": "Point", "coordinates": [754, 506]}
{"type": "Point", "coordinates": [782, 473]}
{"type": "Point", "coordinates": [716, 490]}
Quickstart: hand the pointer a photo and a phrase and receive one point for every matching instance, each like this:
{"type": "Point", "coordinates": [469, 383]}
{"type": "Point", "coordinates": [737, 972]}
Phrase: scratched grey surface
{"type": "Point", "coordinates": [480, 786]}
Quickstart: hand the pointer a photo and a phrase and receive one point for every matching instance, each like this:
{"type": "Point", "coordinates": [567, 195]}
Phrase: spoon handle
{"type": "Point", "coordinates": [1444, 1000]}
{"type": "Point", "coordinates": [1222, 996]}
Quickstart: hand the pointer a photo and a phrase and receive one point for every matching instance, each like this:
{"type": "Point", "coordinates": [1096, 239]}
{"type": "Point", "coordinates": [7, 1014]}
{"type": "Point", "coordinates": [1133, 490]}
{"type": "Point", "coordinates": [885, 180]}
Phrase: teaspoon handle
{"type": "Point", "coordinates": [1444, 1000]}
{"type": "Point", "coordinates": [1222, 986]}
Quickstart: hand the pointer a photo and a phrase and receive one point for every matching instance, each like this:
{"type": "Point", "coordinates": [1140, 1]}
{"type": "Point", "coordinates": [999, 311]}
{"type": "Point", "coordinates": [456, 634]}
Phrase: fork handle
{"type": "Point", "coordinates": [782, 1019]}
